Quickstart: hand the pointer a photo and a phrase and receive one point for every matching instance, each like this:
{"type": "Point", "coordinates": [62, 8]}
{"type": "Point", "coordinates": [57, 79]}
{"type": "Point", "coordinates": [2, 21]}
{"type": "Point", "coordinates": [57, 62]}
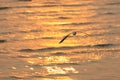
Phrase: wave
{"type": "Point", "coordinates": [74, 5]}
{"type": "Point", "coordinates": [64, 17]}
{"type": "Point", "coordinates": [102, 45]}
{"type": "Point", "coordinates": [36, 6]}
{"type": "Point", "coordinates": [109, 13]}
{"type": "Point", "coordinates": [59, 54]}
{"type": "Point", "coordinates": [45, 5]}
{"type": "Point", "coordinates": [2, 41]}
{"type": "Point", "coordinates": [4, 8]}
{"type": "Point", "coordinates": [47, 38]}
{"type": "Point", "coordinates": [66, 48]}
{"type": "Point", "coordinates": [114, 3]}
{"type": "Point", "coordinates": [77, 24]}
{"type": "Point", "coordinates": [1, 52]}
{"type": "Point", "coordinates": [14, 32]}
{"type": "Point", "coordinates": [25, 0]}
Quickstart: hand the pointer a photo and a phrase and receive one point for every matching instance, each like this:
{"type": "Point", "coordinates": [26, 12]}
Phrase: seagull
{"type": "Point", "coordinates": [73, 33]}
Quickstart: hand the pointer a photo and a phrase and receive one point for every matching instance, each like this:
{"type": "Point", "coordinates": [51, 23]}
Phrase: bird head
{"type": "Point", "coordinates": [74, 33]}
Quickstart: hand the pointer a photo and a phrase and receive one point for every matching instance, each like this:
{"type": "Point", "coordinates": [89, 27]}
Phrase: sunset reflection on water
{"type": "Point", "coordinates": [31, 30]}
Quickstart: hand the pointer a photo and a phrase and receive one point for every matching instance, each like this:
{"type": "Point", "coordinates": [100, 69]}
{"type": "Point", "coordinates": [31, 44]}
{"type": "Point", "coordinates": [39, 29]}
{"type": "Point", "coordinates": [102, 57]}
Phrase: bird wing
{"type": "Point", "coordinates": [64, 38]}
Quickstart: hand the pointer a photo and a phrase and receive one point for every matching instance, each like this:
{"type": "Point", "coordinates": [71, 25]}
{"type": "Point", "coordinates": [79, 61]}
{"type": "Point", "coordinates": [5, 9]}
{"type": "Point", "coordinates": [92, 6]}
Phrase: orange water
{"type": "Point", "coordinates": [30, 32]}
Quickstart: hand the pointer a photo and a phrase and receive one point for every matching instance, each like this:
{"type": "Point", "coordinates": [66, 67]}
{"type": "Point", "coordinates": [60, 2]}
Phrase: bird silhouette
{"type": "Point", "coordinates": [65, 37]}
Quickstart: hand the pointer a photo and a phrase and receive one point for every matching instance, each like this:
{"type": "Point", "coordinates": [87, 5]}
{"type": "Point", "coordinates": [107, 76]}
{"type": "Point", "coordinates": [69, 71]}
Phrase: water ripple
{"type": "Point", "coordinates": [13, 32]}
{"type": "Point", "coordinates": [77, 24]}
{"type": "Point", "coordinates": [66, 48]}
{"type": "Point", "coordinates": [4, 8]}
{"type": "Point", "coordinates": [114, 3]}
{"type": "Point", "coordinates": [25, 0]}
{"type": "Point", "coordinates": [2, 41]}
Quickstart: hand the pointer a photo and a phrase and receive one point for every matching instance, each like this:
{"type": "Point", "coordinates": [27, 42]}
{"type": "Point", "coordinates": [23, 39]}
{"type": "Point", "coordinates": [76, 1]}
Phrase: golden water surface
{"type": "Point", "coordinates": [30, 31]}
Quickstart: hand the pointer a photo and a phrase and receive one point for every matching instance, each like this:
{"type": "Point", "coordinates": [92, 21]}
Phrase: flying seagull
{"type": "Point", "coordinates": [73, 33]}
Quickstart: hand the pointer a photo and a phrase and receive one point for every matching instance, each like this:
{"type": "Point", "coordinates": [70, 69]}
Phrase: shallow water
{"type": "Point", "coordinates": [30, 31]}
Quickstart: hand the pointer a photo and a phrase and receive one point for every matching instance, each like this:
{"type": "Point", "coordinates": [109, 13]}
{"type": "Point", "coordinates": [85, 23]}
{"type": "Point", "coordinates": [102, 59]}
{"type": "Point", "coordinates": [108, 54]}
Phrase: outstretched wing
{"type": "Point", "coordinates": [64, 38]}
{"type": "Point", "coordinates": [74, 33]}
